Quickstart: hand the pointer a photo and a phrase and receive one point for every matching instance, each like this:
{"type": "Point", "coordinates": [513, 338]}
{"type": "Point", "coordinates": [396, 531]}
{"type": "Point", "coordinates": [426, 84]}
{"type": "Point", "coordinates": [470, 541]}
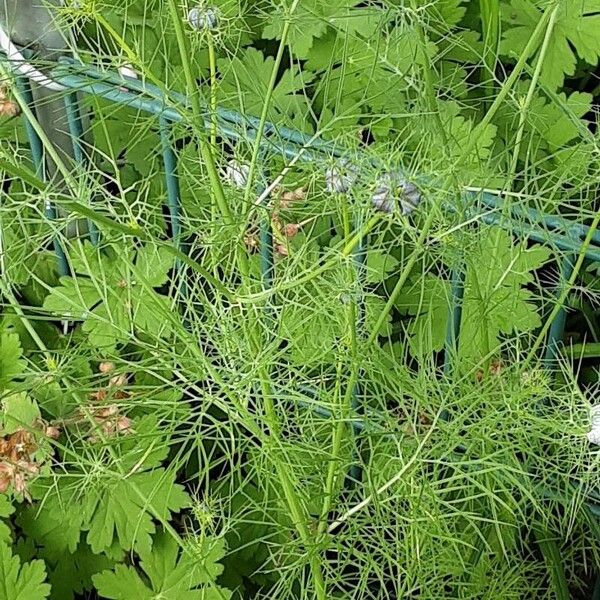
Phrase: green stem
{"type": "Point", "coordinates": [193, 95]}
{"type": "Point", "coordinates": [266, 106]}
{"type": "Point", "coordinates": [345, 401]}
{"type": "Point", "coordinates": [489, 11]}
{"type": "Point", "coordinates": [560, 301]}
{"type": "Point", "coordinates": [530, 93]}
{"type": "Point", "coordinates": [205, 149]}
{"type": "Point", "coordinates": [212, 59]}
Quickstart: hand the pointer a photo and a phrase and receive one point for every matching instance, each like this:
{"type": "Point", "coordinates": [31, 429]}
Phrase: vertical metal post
{"type": "Point", "coordinates": [557, 329]}
{"type": "Point", "coordinates": [37, 155]}
{"type": "Point", "coordinates": [171, 181]}
{"type": "Point", "coordinates": [173, 198]}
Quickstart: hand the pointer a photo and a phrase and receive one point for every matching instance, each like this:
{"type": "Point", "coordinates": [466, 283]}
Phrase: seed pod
{"type": "Point", "coordinates": [237, 173]}
{"type": "Point", "coordinates": [392, 191]}
{"type": "Point", "coordinates": [204, 19]}
{"type": "Point", "coordinates": [106, 367]}
{"type": "Point", "coordinates": [9, 109]}
{"type": "Point", "coordinates": [340, 177]}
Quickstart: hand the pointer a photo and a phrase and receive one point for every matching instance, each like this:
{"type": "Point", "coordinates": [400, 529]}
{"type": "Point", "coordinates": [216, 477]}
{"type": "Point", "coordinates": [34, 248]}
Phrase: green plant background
{"type": "Point", "coordinates": [214, 493]}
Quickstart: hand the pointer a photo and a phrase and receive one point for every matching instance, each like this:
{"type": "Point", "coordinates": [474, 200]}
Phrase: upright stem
{"type": "Point", "coordinates": [266, 105]}
{"type": "Point", "coordinates": [530, 93]}
{"type": "Point", "coordinates": [193, 95]}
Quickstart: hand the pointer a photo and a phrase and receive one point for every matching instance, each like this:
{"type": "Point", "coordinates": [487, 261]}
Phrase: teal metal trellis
{"type": "Point", "coordinates": [70, 79]}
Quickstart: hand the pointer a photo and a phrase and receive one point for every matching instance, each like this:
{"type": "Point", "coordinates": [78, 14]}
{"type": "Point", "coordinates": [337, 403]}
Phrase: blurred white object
{"type": "Point", "coordinates": [593, 435]}
{"type": "Point", "coordinates": [237, 173]}
{"type": "Point", "coordinates": [127, 70]}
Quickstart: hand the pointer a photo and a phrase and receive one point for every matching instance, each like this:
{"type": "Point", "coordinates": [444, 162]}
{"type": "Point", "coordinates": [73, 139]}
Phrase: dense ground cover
{"type": "Point", "coordinates": [172, 430]}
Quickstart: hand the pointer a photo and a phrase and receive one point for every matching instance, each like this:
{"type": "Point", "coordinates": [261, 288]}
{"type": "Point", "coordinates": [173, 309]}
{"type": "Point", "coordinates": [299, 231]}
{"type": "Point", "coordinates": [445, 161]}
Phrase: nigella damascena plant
{"type": "Point", "coordinates": [393, 191]}
{"type": "Point", "coordinates": [204, 18]}
{"type": "Point", "coordinates": [340, 177]}
{"type": "Point", "coordinates": [237, 173]}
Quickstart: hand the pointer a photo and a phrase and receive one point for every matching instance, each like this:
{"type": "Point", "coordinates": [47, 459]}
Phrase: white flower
{"type": "Point", "coordinates": [204, 19]}
{"type": "Point", "coordinates": [393, 190]}
{"type": "Point", "coordinates": [340, 177]}
{"type": "Point", "coordinates": [593, 435]}
{"type": "Point", "coordinates": [237, 173]}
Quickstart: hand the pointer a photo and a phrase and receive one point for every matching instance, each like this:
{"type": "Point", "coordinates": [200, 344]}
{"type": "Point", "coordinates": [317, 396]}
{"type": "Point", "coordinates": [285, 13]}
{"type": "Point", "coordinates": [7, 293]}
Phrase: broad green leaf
{"type": "Point", "coordinates": [575, 36]}
{"type": "Point", "coordinates": [71, 574]}
{"type": "Point", "coordinates": [11, 362]}
{"type": "Point", "coordinates": [21, 581]}
{"type": "Point", "coordinates": [379, 265]}
{"type": "Point", "coordinates": [111, 294]}
{"type": "Point", "coordinates": [427, 299]}
{"type": "Point", "coordinates": [18, 412]}
{"type": "Point", "coordinates": [6, 509]}
{"type": "Point", "coordinates": [172, 575]}
{"type": "Point", "coordinates": [496, 300]}
{"type": "Point", "coordinates": [55, 525]}
{"type": "Point", "coordinates": [245, 81]}
{"type": "Point", "coordinates": [117, 511]}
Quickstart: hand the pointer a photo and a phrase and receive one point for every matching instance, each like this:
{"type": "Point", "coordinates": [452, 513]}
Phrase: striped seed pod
{"type": "Point", "coordinates": [204, 19]}
{"type": "Point", "coordinates": [393, 191]}
{"type": "Point", "coordinates": [340, 177]}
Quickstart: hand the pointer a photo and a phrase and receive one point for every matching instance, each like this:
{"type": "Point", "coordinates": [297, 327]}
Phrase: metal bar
{"type": "Point", "coordinates": [287, 149]}
{"type": "Point", "coordinates": [557, 328]}
{"type": "Point", "coordinates": [76, 131]}
{"type": "Point", "coordinates": [37, 155]}
{"type": "Point", "coordinates": [171, 181]}
{"type": "Point", "coordinates": [535, 216]}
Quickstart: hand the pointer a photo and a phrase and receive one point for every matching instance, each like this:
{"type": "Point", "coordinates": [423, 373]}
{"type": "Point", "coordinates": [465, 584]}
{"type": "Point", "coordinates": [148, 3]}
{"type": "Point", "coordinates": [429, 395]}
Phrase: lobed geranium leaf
{"type": "Point", "coordinates": [21, 581]}
{"type": "Point", "coordinates": [168, 573]}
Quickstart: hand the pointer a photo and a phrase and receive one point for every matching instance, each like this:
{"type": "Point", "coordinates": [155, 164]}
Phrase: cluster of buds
{"type": "Point", "coordinates": [8, 108]}
{"type": "Point", "coordinates": [109, 420]}
{"type": "Point", "coordinates": [284, 231]}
